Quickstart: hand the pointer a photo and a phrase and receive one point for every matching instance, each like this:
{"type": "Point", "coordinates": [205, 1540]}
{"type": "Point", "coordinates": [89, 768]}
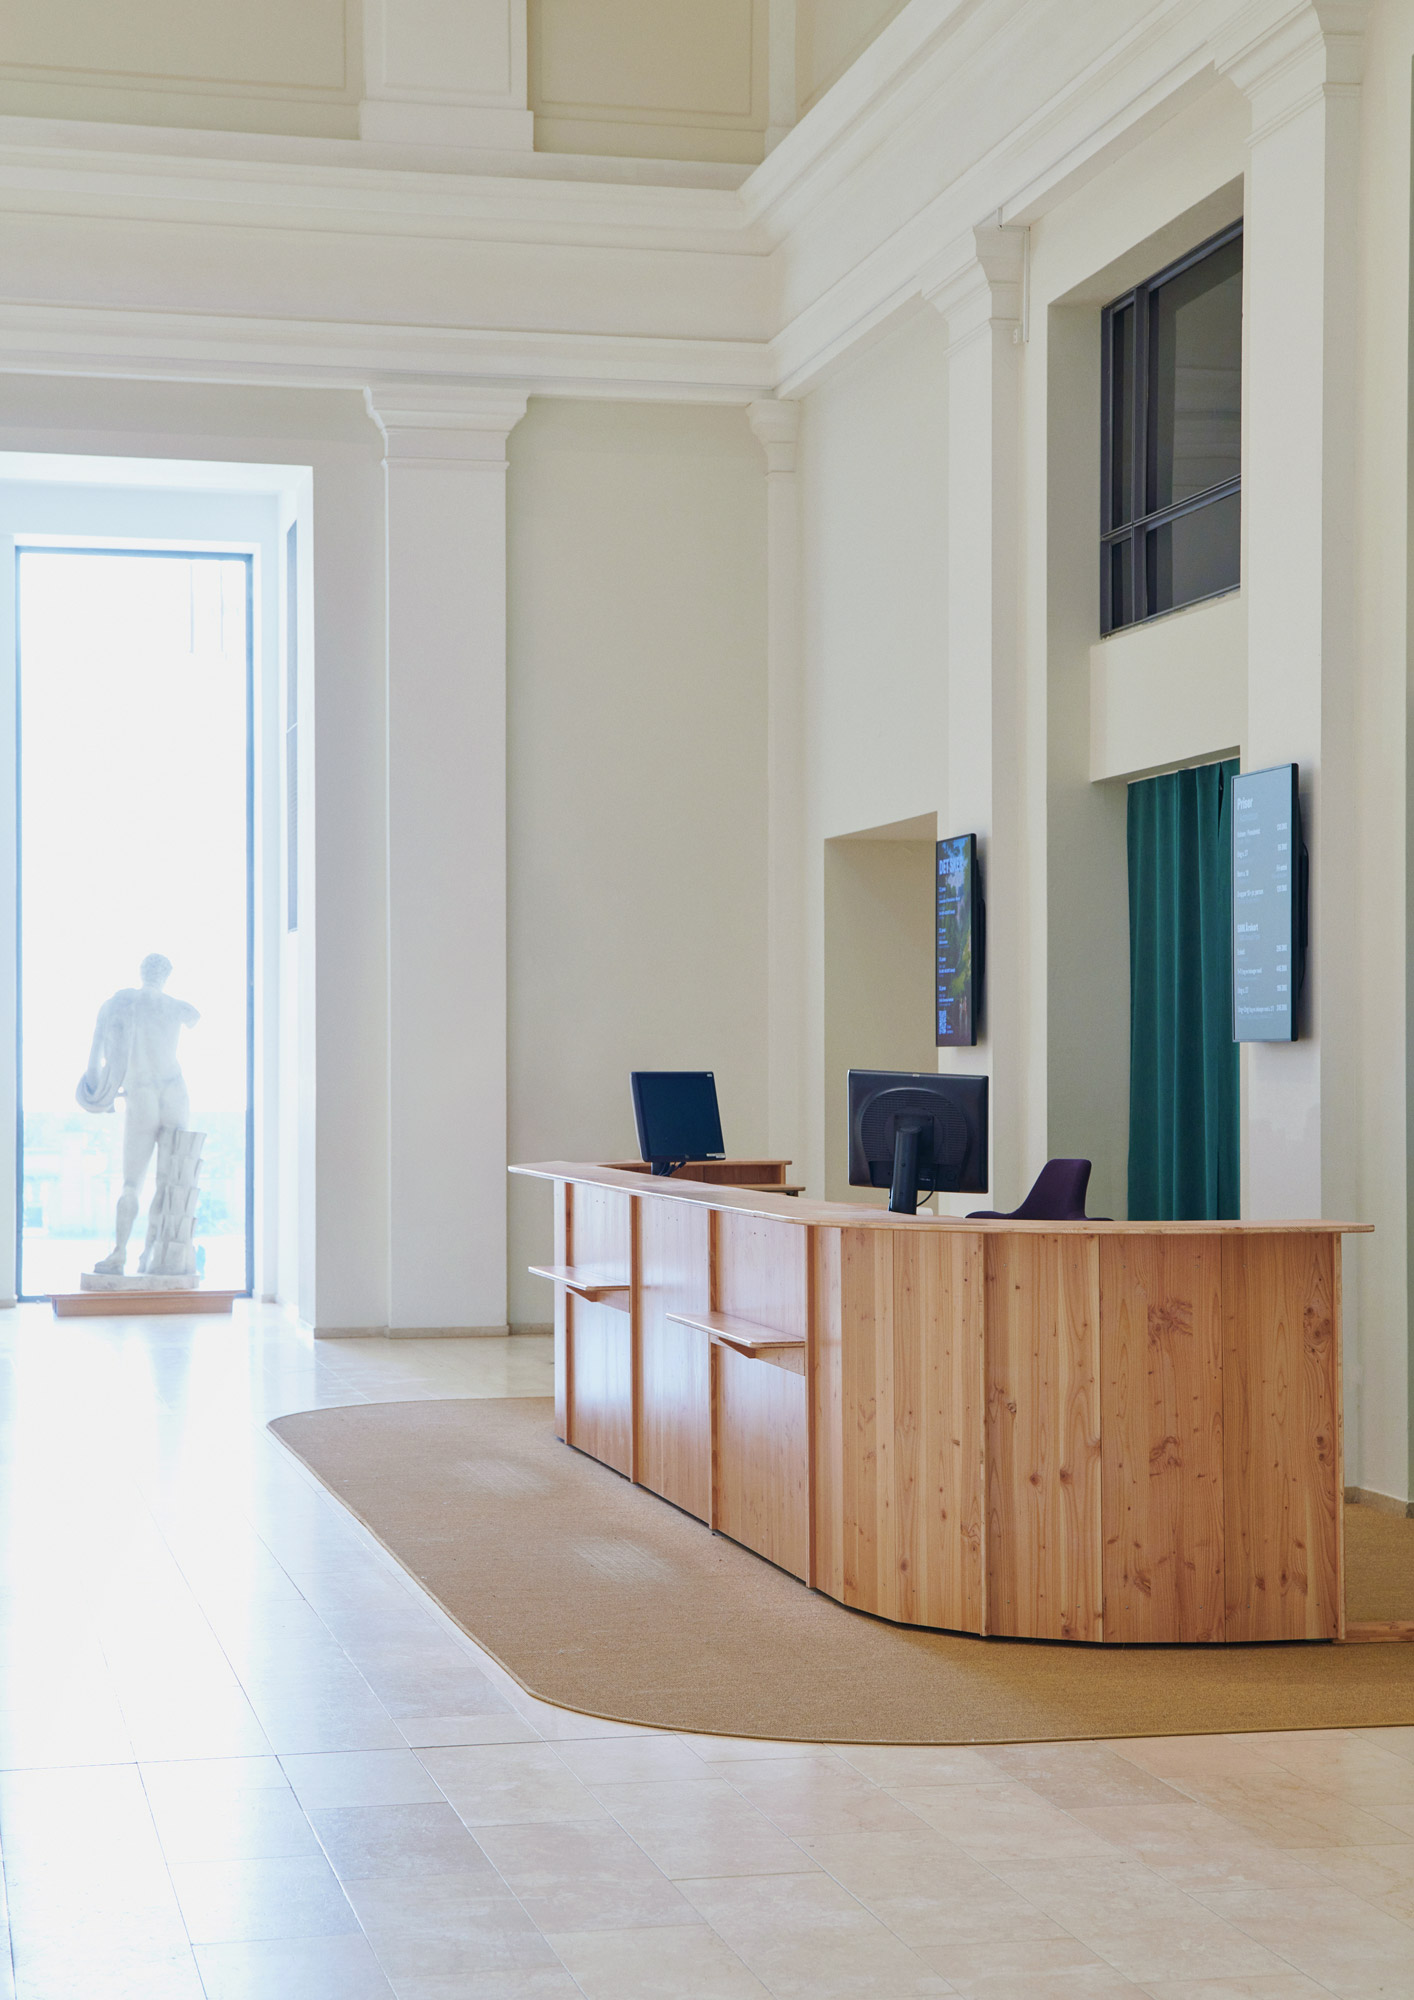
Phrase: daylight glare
{"type": "Point", "coordinates": [133, 839]}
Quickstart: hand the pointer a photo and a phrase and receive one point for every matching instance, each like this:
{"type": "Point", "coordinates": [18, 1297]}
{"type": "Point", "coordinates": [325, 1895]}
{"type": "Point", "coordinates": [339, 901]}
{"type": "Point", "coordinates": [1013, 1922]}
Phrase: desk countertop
{"type": "Point", "coordinates": [849, 1215]}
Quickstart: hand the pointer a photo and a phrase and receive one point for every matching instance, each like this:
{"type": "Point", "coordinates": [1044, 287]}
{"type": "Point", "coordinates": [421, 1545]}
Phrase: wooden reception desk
{"type": "Point", "coordinates": [1103, 1431]}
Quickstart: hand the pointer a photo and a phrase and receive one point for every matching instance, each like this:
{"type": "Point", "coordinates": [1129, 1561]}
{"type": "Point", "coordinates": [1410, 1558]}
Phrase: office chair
{"type": "Point", "coordinates": [1058, 1196]}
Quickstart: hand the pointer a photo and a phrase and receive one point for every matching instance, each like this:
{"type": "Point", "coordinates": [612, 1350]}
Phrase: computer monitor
{"type": "Point", "coordinates": [677, 1117]}
{"type": "Point", "coordinates": [917, 1133]}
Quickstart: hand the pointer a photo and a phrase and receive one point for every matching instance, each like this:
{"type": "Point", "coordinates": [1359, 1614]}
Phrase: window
{"type": "Point", "coordinates": [1170, 510]}
{"type": "Point", "coordinates": [135, 837]}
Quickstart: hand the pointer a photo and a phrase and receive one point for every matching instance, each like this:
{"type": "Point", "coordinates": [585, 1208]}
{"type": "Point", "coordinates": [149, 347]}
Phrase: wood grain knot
{"type": "Point", "coordinates": [1165, 1455]}
{"type": "Point", "coordinates": [1168, 1317]}
{"type": "Point", "coordinates": [1317, 1328]}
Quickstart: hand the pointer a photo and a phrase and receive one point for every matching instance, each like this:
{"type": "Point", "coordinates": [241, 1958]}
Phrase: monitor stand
{"type": "Point", "coordinates": [909, 1148]}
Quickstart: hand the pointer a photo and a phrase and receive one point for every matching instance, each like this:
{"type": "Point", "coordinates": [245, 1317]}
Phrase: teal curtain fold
{"type": "Point", "coordinates": [1183, 1089]}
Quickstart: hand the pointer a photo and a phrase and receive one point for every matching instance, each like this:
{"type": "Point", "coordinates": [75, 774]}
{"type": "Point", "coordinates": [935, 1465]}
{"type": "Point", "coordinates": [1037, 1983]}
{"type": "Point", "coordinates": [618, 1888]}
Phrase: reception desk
{"type": "Point", "coordinates": [1101, 1431]}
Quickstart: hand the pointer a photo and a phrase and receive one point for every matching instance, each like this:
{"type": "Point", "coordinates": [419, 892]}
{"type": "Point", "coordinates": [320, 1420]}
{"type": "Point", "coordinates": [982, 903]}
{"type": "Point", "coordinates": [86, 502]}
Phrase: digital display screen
{"type": "Point", "coordinates": [957, 955]}
{"type": "Point", "coordinates": [1266, 911]}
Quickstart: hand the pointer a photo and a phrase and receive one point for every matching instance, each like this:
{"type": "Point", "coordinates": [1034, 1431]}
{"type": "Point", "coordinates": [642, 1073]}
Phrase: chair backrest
{"type": "Point", "coordinates": [1058, 1195]}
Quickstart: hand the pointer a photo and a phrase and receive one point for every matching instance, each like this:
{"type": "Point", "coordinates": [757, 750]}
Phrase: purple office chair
{"type": "Point", "coordinates": [1058, 1196]}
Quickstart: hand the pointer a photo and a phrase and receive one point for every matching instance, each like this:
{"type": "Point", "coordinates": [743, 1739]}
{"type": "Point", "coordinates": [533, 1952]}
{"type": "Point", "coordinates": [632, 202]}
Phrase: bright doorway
{"type": "Point", "coordinates": [135, 784]}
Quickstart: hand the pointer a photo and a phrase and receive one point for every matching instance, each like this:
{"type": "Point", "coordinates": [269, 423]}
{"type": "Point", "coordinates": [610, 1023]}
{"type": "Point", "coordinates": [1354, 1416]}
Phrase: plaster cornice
{"type": "Point", "coordinates": [77, 340]}
{"type": "Point", "coordinates": [724, 289]}
{"type": "Point", "coordinates": [328, 186]}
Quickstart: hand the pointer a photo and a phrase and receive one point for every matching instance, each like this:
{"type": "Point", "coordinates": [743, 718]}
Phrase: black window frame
{"type": "Point", "coordinates": [1131, 539]}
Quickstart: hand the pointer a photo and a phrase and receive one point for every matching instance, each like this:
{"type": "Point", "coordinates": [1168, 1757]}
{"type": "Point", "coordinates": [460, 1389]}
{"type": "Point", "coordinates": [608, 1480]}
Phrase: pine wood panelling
{"type": "Point", "coordinates": [827, 1440]}
{"type": "Point", "coordinates": [762, 1271]}
{"type": "Point", "coordinates": [601, 1227]}
{"type": "Point", "coordinates": [674, 1434]}
{"type": "Point", "coordinates": [1161, 1342]}
{"type": "Point", "coordinates": [600, 1339]}
{"type": "Point", "coordinates": [563, 1196]}
{"type": "Point", "coordinates": [760, 1458]}
{"type": "Point", "coordinates": [600, 1406]}
{"type": "Point", "coordinates": [1116, 1432]}
{"type": "Point", "coordinates": [1043, 1436]}
{"type": "Point", "coordinates": [1281, 1427]}
{"type": "Point", "coordinates": [909, 1491]}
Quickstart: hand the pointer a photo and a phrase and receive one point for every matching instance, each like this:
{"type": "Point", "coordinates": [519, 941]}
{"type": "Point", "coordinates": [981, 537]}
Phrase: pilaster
{"type": "Point", "coordinates": [776, 425]}
{"type": "Point", "coordinates": [445, 463]}
{"type": "Point", "coordinates": [1311, 1146]}
{"type": "Point", "coordinates": [1299, 67]}
{"type": "Point", "coordinates": [979, 287]}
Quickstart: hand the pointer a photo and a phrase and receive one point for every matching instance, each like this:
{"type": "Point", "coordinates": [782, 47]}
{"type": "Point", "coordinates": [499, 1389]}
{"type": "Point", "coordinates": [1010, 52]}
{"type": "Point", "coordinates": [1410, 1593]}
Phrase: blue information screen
{"type": "Point", "coordinates": [956, 1007]}
{"type": "Point", "coordinates": [1266, 880]}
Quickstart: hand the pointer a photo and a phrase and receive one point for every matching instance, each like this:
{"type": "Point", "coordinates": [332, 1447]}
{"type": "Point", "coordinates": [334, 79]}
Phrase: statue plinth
{"type": "Point", "coordinates": [150, 1281]}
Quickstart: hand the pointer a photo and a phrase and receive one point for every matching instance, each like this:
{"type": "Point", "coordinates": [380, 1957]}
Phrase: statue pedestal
{"type": "Point", "coordinates": [104, 1296]}
{"type": "Point", "coordinates": [151, 1281]}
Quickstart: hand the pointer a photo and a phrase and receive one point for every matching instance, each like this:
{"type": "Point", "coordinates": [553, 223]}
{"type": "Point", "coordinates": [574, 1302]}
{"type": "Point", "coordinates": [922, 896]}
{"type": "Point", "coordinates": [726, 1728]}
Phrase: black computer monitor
{"type": "Point", "coordinates": [677, 1117]}
{"type": "Point", "coordinates": [917, 1133]}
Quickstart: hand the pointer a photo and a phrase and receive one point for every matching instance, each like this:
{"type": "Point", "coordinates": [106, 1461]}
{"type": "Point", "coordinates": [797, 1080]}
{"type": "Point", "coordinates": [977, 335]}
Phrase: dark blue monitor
{"type": "Point", "coordinates": [677, 1116]}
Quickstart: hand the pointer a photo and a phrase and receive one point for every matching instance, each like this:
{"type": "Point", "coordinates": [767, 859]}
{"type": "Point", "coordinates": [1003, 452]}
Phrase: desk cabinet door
{"type": "Point", "coordinates": [1162, 1399]}
{"type": "Point", "coordinates": [1281, 1436]}
{"type": "Point", "coordinates": [761, 1457]}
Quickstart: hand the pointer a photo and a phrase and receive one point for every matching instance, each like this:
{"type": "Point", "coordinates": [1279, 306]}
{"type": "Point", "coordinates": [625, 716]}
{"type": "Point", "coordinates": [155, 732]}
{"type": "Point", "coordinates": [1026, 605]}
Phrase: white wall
{"type": "Point", "coordinates": [262, 66]}
{"type": "Point", "coordinates": [1174, 691]}
{"type": "Point", "coordinates": [655, 79]}
{"type": "Point", "coordinates": [1380, 1384]}
{"type": "Point", "coordinates": [873, 502]}
{"type": "Point", "coordinates": [645, 79]}
{"type": "Point", "coordinates": [830, 35]}
{"type": "Point", "coordinates": [637, 782]}
{"type": "Point", "coordinates": [879, 959]}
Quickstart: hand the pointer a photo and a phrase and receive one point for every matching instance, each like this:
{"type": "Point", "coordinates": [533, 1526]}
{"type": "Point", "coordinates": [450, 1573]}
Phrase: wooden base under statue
{"type": "Point", "coordinates": [107, 1293]}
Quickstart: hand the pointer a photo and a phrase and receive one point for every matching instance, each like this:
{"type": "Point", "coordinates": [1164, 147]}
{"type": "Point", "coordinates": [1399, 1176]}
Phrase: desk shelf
{"type": "Point", "coordinates": [592, 1286]}
{"type": "Point", "coordinates": [743, 1334]}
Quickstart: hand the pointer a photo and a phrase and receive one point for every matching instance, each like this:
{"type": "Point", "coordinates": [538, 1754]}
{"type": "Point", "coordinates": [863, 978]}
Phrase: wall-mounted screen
{"type": "Point", "coordinates": [958, 996]}
{"type": "Point", "coordinates": [1268, 905]}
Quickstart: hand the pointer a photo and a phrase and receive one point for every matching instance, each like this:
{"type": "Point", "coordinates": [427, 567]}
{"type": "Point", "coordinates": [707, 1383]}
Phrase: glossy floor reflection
{"type": "Point", "coordinates": [241, 1756]}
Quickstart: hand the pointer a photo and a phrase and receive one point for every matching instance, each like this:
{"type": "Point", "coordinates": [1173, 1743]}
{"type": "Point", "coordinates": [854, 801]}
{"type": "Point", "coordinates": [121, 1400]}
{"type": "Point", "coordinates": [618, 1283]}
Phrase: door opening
{"type": "Point", "coordinates": [135, 787]}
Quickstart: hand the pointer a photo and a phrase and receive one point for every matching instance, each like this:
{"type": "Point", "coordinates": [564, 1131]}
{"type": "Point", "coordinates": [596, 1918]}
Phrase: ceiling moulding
{"type": "Point", "coordinates": [356, 199]}
{"type": "Point", "coordinates": [930, 178]}
{"type": "Point", "coordinates": [961, 110]}
{"type": "Point", "coordinates": [302, 150]}
{"type": "Point", "coordinates": [76, 340]}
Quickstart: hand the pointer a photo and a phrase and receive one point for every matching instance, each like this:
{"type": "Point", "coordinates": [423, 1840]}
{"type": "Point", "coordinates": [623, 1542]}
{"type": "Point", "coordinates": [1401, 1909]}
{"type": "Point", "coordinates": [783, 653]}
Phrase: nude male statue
{"type": "Point", "coordinates": [135, 1052]}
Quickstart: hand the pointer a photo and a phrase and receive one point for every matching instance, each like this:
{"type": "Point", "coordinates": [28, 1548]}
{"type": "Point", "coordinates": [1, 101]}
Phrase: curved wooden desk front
{"type": "Point", "coordinates": [1099, 1431]}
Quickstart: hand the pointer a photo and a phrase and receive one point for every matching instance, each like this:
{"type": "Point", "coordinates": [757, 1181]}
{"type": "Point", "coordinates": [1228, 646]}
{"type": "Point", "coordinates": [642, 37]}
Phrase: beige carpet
{"type": "Point", "coordinates": [598, 1596]}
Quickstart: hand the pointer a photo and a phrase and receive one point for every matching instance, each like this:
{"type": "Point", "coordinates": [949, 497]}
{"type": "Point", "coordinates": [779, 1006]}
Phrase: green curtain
{"type": "Point", "coordinates": [1183, 1092]}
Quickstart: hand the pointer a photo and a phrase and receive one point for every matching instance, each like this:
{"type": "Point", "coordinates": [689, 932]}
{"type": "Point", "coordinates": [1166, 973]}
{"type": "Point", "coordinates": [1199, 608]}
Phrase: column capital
{"type": "Point", "coordinates": [979, 282]}
{"type": "Point", "coordinates": [433, 423]}
{"type": "Point", "coordinates": [1286, 54]}
{"type": "Point", "coordinates": [777, 426]}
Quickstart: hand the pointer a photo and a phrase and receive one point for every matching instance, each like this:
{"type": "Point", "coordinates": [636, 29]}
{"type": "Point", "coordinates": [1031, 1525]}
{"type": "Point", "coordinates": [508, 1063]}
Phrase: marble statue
{"type": "Point", "coordinates": [135, 1054]}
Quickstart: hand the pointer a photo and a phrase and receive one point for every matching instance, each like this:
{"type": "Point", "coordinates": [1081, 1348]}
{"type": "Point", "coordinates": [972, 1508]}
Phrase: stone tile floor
{"type": "Point", "coordinates": [241, 1756]}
